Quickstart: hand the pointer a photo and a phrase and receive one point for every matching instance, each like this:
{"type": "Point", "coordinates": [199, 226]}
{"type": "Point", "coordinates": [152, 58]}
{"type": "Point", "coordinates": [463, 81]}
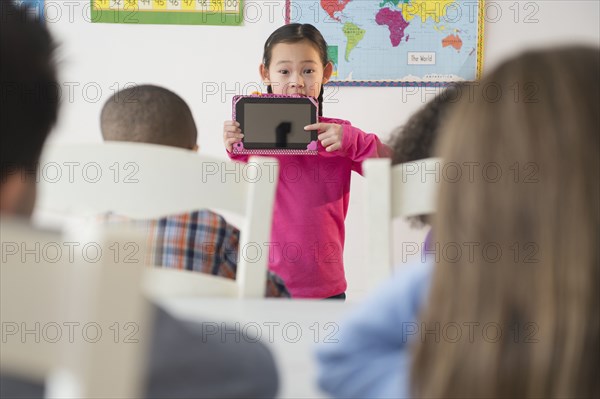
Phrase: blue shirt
{"type": "Point", "coordinates": [371, 359]}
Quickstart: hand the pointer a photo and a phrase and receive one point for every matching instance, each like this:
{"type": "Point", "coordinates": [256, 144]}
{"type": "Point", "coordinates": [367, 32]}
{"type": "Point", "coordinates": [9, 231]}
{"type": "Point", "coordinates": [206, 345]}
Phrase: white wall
{"type": "Point", "coordinates": [207, 65]}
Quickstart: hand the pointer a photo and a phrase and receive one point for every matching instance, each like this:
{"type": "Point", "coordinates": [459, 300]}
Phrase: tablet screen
{"type": "Point", "coordinates": [271, 123]}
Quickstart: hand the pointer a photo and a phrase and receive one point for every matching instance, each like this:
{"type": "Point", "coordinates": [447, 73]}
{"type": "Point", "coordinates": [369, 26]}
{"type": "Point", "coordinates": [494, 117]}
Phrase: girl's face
{"type": "Point", "coordinates": [296, 68]}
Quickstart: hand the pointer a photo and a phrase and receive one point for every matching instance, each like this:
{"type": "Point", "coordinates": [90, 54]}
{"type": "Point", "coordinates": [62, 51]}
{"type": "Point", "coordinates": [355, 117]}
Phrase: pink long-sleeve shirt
{"type": "Point", "coordinates": [311, 202]}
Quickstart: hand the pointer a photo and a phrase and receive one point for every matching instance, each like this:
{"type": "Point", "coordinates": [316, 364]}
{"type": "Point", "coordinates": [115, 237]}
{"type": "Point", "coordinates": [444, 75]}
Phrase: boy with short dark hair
{"type": "Point", "coordinates": [201, 240]}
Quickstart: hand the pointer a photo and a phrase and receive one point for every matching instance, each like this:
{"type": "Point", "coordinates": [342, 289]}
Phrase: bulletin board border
{"type": "Point", "coordinates": [136, 16]}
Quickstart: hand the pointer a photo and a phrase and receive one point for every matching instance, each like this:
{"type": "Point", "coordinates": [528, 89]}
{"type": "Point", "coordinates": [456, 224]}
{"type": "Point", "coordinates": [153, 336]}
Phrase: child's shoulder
{"type": "Point", "coordinates": [324, 119]}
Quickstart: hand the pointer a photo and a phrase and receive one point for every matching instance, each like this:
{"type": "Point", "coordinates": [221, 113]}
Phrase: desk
{"type": "Point", "coordinates": [291, 329]}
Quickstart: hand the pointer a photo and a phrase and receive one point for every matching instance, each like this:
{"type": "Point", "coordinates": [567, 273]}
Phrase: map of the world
{"type": "Point", "coordinates": [397, 42]}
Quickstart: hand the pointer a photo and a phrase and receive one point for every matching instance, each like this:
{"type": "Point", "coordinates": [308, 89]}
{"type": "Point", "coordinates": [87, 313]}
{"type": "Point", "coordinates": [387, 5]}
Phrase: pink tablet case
{"type": "Point", "coordinates": [238, 148]}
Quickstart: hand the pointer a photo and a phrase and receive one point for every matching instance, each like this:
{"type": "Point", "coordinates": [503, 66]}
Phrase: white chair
{"type": "Point", "coordinates": [145, 181]}
{"type": "Point", "coordinates": [400, 191]}
{"type": "Point", "coordinates": [79, 325]}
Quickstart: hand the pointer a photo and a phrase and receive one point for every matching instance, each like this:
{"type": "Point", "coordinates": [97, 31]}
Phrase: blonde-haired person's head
{"type": "Point", "coordinates": [517, 234]}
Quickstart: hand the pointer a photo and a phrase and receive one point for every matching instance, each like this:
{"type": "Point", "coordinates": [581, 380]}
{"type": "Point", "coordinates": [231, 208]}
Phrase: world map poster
{"type": "Point", "coordinates": [397, 42]}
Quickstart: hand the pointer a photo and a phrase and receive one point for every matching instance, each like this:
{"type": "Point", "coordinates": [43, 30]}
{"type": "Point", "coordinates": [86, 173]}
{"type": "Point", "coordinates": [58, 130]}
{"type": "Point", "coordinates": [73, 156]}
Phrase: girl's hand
{"type": "Point", "coordinates": [231, 134]}
{"type": "Point", "coordinates": [330, 135]}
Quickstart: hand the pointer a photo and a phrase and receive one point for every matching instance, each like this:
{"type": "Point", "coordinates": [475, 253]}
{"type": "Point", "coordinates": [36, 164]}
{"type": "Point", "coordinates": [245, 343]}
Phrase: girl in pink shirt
{"type": "Point", "coordinates": [307, 237]}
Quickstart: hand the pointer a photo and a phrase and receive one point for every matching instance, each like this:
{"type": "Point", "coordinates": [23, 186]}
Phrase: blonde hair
{"type": "Point", "coordinates": [521, 199]}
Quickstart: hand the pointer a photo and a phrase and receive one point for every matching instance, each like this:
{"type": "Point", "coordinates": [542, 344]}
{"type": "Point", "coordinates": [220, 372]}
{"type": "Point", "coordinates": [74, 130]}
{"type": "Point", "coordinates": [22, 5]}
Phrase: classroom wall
{"type": "Point", "coordinates": [207, 65]}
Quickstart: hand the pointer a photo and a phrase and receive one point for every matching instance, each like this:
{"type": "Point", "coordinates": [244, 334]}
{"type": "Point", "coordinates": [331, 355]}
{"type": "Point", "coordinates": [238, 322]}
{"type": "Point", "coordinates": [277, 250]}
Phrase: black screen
{"type": "Point", "coordinates": [276, 123]}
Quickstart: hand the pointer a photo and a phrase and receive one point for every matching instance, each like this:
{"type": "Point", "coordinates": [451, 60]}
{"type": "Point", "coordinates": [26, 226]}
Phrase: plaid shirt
{"type": "Point", "coordinates": [201, 241]}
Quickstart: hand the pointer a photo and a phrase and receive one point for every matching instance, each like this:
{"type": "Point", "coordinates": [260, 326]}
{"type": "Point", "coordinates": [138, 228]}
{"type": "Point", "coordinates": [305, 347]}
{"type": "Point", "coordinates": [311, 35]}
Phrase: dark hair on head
{"type": "Point", "coordinates": [415, 140]}
{"type": "Point", "coordinates": [148, 114]}
{"type": "Point", "coordinates": [294, 33]}
{"type": "Point", "coordinates": [29, 91]}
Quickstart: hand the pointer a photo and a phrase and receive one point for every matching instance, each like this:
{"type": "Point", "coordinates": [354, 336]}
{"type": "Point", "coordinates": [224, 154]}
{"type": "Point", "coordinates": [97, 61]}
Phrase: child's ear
{"type": "Point", "coordinates": [327, 72]}
{"type": "Point", "coordinates": [264, 74]}
{"type": "Point", "coordinates": [12, 192]}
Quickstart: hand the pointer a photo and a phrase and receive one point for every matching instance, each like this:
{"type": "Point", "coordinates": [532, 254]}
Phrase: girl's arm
{"type": "Point", "coordinates": [370, 358]}
{"type": "Point", "coordinates": [340, 138]}
{"type": "Point", "coordinates": [358, 145]}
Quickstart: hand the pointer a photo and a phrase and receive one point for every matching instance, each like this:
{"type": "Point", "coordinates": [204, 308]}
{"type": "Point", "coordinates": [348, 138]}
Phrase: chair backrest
{"type": "Point", "coordinates": [145, 181]}
{"type": "Point", "coordinates": [72, 314]}
{"type": "Point", "coordinates": [404, 190]}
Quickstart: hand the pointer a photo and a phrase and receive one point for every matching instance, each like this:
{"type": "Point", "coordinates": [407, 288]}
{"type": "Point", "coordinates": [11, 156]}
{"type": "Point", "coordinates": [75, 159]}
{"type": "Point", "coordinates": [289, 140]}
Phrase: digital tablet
{"type": "Point", "coordinates": [274, 124]}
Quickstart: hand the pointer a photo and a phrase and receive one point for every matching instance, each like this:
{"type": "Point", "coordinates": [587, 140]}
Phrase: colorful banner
{"type": "Point", "coordinates": [177, 12]}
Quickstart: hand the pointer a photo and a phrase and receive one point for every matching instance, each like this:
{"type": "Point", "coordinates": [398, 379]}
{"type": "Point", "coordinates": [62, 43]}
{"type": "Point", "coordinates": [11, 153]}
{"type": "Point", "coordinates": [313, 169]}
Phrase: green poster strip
{"type": "Point", "coordinates": [135, 15]}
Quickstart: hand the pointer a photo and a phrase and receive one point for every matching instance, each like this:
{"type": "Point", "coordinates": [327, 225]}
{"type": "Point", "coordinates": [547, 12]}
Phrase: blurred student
{"type": "Point", "coordinates": [201, 240]}
{"type": "Point", "coordinates": [417, 137]}
{"type": "Point", "coordinates": [415, 140]}
{"type": "Point", "coordinates": [184, 361]}
{"type": "Point", "coordinates": [518, 316]}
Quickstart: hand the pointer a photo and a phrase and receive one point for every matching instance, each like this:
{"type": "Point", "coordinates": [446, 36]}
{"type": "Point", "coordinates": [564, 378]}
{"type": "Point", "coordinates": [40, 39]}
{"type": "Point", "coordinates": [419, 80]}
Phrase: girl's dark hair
{"type": "Point", "coordinates": [415, 140]}
{"type": "Point", "coordinates": [294, 33]}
